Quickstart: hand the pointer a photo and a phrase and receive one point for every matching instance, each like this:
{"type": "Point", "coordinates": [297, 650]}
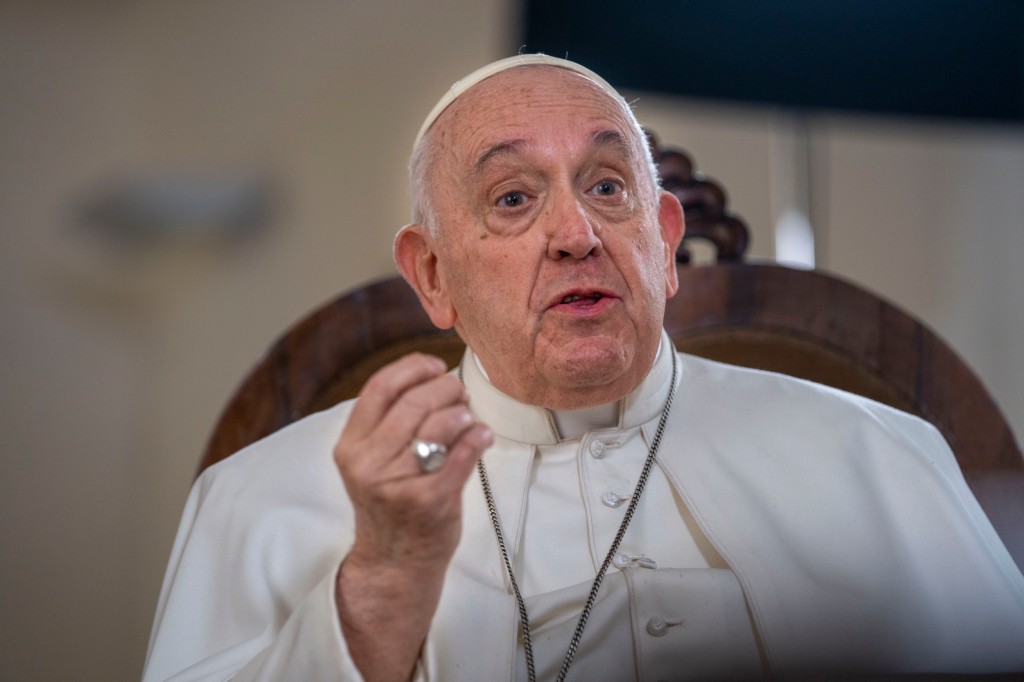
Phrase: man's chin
{"type": "Point", "coordinates": [596, 370]}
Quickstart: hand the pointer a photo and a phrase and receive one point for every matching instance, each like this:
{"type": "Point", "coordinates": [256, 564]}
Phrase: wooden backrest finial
{"type": "Point", "coordinates": [705, 205]}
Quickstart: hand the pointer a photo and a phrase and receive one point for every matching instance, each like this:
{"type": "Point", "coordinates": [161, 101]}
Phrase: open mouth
{"type": "Point", "coordinates": [584, 299]}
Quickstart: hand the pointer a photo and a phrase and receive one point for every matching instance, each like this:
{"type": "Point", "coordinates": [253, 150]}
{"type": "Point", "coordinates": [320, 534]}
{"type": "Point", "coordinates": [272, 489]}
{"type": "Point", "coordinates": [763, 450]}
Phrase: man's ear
{"type": "Point", "coordinates": [416, 260]}
{"type": "Point", "coordinates": [673, 225]}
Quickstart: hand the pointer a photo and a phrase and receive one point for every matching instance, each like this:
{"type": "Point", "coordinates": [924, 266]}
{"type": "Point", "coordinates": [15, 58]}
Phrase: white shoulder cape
{"type": "Point", "coordinates": [848, 524]}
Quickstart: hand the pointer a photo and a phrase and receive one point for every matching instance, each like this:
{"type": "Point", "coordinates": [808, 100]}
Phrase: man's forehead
{"type": "Point", "coordinates": [465, 84]}
{"type": "Point", "coordinates": [602, 138]}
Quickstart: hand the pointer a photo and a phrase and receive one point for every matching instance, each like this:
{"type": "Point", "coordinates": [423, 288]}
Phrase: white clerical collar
{"type": "Point", "coordinates": [524, 423]}
{"type": "Point", "coordinates": [573, 424]}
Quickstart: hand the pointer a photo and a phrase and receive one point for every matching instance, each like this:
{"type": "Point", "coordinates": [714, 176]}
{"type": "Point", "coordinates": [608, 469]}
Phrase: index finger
{"type": "Point", "coordinates": [387, 385]}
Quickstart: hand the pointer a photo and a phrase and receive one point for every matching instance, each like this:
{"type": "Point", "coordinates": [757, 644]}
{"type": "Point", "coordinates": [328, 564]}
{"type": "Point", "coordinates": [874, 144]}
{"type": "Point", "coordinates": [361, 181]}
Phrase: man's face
{"type": "Point", "coordinates": [555, 254]}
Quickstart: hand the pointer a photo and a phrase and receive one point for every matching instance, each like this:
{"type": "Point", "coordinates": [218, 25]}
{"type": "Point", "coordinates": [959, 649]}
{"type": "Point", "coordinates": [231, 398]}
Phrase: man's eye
{"type": "Point", "coordinates": [606, 188]}
{"type": "Point", "coordinates": [512, 200]}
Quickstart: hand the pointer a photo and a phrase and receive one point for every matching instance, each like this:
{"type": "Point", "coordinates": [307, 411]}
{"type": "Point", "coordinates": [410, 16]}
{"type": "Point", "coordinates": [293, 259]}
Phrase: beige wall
{"type": "Point", "coordinates": [114, 360]}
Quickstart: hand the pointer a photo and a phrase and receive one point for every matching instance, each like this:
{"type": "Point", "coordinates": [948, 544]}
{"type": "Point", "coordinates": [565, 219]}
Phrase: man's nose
{"type": "Point", "coordinates": [573, 231]}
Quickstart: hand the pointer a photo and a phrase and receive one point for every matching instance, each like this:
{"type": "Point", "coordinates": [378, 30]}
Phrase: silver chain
{"type": "Point", "coordinates": [588, 607]}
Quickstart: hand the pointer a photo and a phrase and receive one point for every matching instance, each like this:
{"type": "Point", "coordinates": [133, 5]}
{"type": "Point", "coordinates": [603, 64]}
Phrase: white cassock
{"type": "Point", "coordinates": [787, 528]}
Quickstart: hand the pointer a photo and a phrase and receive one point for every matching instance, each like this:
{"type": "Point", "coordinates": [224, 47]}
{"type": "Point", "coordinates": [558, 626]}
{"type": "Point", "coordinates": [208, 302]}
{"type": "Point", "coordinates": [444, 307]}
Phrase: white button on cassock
{"type": "Point", "coordinates": [597, 449]}
{"type": "Point", "coordinates": [657, 627]}
{"type": "Point", "coordinates": [623, 560]}
{"type": "Point", "coordinates": [613, 500]}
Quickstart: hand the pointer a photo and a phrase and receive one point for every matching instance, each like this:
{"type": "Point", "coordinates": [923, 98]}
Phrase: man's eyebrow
{"type": "Point", "coordinates": [613, 139]}
{"type": "Point", "coordinates": [506, 147]}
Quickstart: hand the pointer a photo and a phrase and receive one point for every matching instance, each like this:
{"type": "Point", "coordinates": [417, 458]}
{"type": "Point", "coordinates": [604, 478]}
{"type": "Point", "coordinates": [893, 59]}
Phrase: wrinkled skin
{"type": "Point", "coordinates": [541, 192]}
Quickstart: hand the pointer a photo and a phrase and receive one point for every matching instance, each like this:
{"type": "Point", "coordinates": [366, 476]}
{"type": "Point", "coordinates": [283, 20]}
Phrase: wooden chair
{"type": "Point", "coordinates": [807, 324]}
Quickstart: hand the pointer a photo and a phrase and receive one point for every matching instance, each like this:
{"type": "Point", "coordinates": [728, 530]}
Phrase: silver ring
{"type": "Point", "coordinates": [429, 455]}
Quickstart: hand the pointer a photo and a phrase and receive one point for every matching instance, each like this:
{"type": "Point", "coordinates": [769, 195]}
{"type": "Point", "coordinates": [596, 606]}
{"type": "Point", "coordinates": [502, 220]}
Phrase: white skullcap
{"type": "Point", "coordinates": [493, 68]}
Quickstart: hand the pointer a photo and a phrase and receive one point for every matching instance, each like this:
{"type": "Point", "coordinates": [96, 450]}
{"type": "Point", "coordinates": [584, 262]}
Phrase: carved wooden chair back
{"type": "Point", "coordinates": [804, 323]}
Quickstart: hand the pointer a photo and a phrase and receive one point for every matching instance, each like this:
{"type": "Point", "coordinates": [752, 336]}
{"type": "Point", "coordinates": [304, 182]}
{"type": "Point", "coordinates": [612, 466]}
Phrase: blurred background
{"type": "Point", "coordinates": [181, 180]}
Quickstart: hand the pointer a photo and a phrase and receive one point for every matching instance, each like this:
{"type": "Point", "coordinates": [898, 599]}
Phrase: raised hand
{"type": "Point", "coordinates": [407, 522]}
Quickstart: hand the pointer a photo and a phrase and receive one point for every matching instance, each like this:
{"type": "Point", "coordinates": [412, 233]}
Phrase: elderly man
{"type": "Point", "coordinates": [574, 499]}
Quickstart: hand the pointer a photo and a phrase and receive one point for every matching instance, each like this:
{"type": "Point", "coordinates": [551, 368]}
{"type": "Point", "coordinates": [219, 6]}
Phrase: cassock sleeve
{"type": "Point", "coordinates": [249, 590]}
